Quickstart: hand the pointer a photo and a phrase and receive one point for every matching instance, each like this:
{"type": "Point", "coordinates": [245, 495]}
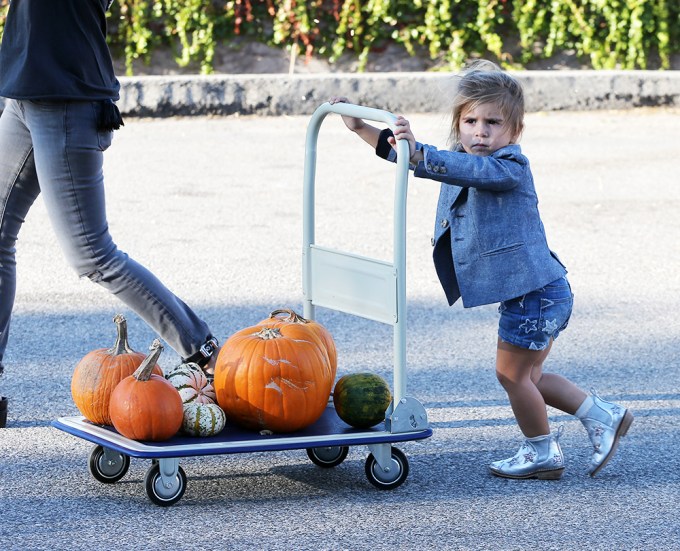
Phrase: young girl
{"type": "Point", "coordinates": [490, 246]}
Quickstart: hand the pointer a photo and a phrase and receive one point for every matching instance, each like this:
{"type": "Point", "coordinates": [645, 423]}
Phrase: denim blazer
{"type": "Point", "coordinates": [489, 241]}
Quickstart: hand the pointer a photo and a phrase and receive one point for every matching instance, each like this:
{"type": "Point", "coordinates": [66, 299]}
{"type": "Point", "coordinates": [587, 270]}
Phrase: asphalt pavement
{"type": "Point", "coordinates": [213, 206]}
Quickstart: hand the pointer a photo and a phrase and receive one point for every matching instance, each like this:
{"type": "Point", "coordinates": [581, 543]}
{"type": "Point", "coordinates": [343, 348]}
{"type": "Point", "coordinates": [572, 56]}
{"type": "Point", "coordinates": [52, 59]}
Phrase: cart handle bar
{"type": "Point", "coordinates": [401, 188]}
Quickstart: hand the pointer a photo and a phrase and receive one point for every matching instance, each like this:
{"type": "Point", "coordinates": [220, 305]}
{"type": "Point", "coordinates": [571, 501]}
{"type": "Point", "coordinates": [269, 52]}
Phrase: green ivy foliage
{"type": "Point", "coordinates": [604, 34]}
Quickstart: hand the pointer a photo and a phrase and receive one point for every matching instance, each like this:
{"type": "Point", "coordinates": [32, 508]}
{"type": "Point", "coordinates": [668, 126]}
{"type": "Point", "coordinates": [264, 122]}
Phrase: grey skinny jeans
{"type": "Point", "coordinates": [54, 148]}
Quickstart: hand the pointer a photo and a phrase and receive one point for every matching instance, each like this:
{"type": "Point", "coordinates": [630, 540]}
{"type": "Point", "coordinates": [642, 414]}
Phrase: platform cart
{"type": "Point", "coordinates": [338, 280]}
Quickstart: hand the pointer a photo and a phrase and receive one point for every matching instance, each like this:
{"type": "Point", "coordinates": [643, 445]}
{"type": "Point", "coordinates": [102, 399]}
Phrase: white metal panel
{"type": "Point", "coordinates": [353, 284]}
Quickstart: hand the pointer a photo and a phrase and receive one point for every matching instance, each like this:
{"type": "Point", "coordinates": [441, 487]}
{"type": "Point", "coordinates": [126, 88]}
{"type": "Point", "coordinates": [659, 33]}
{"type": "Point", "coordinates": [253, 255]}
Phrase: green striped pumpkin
{"type": "Point", "coordinates": [203, 419]}
{"type": "Point", "coordinates": [360, 399]}
{"type": "Point", "coordinates": [192, 384]}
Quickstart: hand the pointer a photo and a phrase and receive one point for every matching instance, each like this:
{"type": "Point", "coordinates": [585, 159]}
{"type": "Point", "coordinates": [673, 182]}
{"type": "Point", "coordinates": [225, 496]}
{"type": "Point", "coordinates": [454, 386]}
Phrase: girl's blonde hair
{"type": "Point", "coordinates": [484, 82]}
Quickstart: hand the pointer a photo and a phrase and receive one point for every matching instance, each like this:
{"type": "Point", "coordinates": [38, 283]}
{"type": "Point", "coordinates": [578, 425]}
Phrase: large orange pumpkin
{"type": "Point", "coordinates": [98, 373]}
{"type": "Point", "coordinates": [285, 315]}
{"type": "Point", "coordinates": [145, 406]}
{"type": "Point", "coordinates": [273, 378]}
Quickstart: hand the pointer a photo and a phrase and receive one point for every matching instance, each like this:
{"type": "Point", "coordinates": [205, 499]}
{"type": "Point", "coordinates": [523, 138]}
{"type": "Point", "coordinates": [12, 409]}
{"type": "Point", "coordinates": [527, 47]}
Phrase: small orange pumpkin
{"type": "Point", "coordinates": [100, 371]}
{"type": "Point", "coordinates": [275, 320]}
{"type": "Point", "coordinates": [145, 406]}
{"type": "Point", "coordinates": [273, 378]}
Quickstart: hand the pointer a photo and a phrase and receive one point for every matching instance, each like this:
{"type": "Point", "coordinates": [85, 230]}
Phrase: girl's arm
{"type": "Point", "coordinates": [360, 127]}
{"type": "Point", "coordinates": [498, 172]}
{"type": "Point", "coordinates": [371, 134]}
{"type": "Point", "coordinates": [503, 170]}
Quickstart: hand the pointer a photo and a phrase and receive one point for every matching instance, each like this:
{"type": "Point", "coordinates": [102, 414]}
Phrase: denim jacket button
{"type": "Point", "coordinates": [442, 170]}
{"type": "Point", "coordinates": [444, 223]}
{"type": "Point", "coordinates": [432, 241]}
{"type": "Point", "coordinates": [429, 166]}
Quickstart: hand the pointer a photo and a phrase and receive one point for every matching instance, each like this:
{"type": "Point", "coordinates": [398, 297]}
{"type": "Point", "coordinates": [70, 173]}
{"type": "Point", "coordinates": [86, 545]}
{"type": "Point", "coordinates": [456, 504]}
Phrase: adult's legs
{"type": "Point", "coordinates": [68, 153]}
{"type": "Point", "coordinates": [18, 190]}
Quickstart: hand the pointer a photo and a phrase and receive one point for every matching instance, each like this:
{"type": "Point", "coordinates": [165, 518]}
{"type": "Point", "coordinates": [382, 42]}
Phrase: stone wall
{"type": "Point", "coordinates": [281, 94]}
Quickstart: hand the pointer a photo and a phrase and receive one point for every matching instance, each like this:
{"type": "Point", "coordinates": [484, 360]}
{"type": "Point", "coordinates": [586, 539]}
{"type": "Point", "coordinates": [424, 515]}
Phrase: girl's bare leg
{"type": "Point", "coordinates": [514, 369]}
{"type": "Point", "coordinates": [540, 456]}
{"type": "Point", "coordinates": [557, 391]}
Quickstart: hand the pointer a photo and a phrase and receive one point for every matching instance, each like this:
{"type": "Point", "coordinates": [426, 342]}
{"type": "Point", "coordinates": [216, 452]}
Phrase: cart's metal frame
{"type": "Point", "coordinates": [357, 285]}
{"type": "Point", "coordinates": [366, 287]}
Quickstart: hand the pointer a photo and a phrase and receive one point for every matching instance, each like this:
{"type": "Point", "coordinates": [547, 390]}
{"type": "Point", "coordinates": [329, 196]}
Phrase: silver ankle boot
{"type": "Point", "coordinates": [540, 457]}
{"type": "Point", "coordinates": [606, 423]}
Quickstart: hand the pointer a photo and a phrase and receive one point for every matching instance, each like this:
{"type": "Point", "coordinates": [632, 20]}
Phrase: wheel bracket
{"type": "Point", "coordinates": [407, 416]}
{"type": "Point", "coordinates": [111, 456]}
{"type": "Point", "coordinates": [168, 467]}
{"type": "Point", "coordinates": [383, 455]}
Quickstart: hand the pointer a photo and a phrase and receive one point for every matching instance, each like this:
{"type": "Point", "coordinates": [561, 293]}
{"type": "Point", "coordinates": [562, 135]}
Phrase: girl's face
{"type": "Point", "coordinates": [483, 130]}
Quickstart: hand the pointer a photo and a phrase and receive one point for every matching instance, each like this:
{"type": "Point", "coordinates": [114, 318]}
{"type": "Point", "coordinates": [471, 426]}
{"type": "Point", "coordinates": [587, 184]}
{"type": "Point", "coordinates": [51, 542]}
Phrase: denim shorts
{"type": "Point", "coordinates": [530, 321]}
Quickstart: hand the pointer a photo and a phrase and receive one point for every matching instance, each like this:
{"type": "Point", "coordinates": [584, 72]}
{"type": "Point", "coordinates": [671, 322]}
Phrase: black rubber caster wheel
{"type": "Point", "coordinates": [161, 494]}
{"type": "Point", "coordinates": [328, 456]}
{"type": "Point", "coordinates": [108, 466]}
{"type": "Point", "coordinates": [391, 477]}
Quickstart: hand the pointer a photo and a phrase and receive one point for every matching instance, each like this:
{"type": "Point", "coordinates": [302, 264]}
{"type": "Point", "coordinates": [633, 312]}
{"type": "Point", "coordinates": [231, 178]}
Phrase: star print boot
{"type": "Point", "coordinates": [539, 457]}
{"type": "Point", "coordinates": [606, 423]}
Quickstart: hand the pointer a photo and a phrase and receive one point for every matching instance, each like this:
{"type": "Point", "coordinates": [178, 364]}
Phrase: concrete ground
{"type": "Point", "coordinates": [214, 207]}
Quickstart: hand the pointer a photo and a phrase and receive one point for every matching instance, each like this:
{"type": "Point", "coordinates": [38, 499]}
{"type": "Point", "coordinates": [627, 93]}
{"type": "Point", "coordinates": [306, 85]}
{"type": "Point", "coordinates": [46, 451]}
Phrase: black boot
{"type": "Point", "coordinates": [3, 404]}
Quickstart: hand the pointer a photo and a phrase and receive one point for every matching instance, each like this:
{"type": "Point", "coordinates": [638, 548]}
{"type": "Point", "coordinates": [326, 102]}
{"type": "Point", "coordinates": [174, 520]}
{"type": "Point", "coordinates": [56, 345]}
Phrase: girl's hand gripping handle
{"type": "Point", "coordinates": [403, 131]}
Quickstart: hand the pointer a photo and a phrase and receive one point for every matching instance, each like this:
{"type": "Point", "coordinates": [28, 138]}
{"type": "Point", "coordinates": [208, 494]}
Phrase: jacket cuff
{"type": "Point", "coordinates": [383, 148]}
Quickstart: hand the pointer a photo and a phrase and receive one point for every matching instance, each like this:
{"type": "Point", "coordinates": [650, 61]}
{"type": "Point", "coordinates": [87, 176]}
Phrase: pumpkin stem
{"type": "Point", "coordinates": [293, 316]}
{"type": "Point", "coordinates": [145, 369]}
{"type": "Point", "coordinates": [121, 346]}
{"type": "Point", "coordinates": [267, 333]}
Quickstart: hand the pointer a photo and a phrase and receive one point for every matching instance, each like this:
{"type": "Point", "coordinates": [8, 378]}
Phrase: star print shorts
{"type": "Point", "coordinates": [532, 320]}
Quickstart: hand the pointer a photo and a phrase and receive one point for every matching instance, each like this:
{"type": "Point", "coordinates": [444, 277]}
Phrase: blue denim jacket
{"type": "Point", "coordinates": [489, 241]}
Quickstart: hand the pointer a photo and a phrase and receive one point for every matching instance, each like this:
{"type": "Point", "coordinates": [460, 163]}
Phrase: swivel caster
{"type": "Point", "coordinates": [328, 456]}
{"type": "Point", "coordinates": [107, 465]}
{"type": "Point", "coordinates": [390, 475]}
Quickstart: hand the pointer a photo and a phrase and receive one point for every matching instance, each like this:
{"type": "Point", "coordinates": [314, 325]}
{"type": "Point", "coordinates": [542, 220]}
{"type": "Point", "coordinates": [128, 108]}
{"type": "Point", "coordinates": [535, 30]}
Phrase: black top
{"type": "Point", "coordinates": [56, 49]}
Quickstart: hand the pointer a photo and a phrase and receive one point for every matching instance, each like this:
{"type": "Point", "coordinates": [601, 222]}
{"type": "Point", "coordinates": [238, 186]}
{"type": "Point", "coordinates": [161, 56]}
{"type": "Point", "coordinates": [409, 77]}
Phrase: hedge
{"type": "Point", "coordinates": [604, 34]}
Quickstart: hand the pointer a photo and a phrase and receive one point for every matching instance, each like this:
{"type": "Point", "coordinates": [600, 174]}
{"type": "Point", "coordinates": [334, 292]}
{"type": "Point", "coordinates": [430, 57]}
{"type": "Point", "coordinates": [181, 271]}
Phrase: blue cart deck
{"type": "Point", "coordinates": [329, 430]}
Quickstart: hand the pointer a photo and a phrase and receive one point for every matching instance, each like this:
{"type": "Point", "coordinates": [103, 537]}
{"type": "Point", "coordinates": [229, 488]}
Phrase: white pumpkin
{"type": "Point", "coordinates": [192, 384]}
{"type": "Point", "coordinates": [203, 419]}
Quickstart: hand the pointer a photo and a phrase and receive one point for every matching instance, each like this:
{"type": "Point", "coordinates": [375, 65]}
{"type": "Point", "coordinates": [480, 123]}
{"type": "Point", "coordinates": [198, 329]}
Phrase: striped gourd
{"type": "Point", "coordinates": [192, 384]}
{"type": "Point", "coordinates": [203, 419]}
